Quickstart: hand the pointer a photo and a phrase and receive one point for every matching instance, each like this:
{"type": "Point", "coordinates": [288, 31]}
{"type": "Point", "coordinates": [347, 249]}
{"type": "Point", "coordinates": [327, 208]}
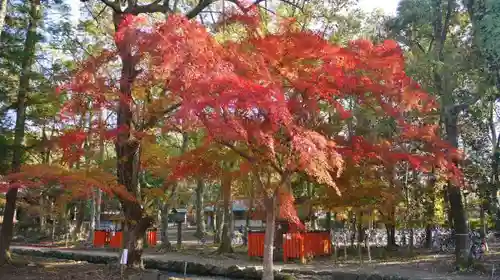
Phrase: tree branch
{"type": "Point", "coordinates": [457, 108]}
{"type": "Point", "coordinates": [239, 152]}
{"type": "Point", "coordinates": [202, 4]}
{"type": "Point", "coordinates": [154, 119]}
{"type": "Point", "coordinates": [113, 5]}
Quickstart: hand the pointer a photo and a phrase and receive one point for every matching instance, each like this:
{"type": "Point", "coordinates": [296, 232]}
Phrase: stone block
{"type": "Point", "coordinates": [151, 275]}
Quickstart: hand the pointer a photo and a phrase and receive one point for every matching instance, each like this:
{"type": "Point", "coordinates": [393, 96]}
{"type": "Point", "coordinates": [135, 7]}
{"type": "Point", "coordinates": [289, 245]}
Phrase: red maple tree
{"type": "Point", "coordinates": [265, 97]}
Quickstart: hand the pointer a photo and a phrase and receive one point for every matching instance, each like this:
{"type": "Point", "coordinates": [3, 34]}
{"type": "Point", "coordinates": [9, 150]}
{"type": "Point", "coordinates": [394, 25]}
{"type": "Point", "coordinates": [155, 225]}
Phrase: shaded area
{"type": "Point", "coordinates": [36, 268]}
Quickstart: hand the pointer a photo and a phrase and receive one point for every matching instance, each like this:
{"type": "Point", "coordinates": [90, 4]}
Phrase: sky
{"type": "Point", "coordinates": [388, 6]}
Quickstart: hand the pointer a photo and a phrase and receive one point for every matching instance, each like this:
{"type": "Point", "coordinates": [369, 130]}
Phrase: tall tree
{"type": "Point", "coordinates": [486, 34]}
{"type": "Point", "coordinates": [434, 32]}
{"type": "Point", "coordinates": [126, 146]}
{"type": "Point", "coordinates": [18, 148]}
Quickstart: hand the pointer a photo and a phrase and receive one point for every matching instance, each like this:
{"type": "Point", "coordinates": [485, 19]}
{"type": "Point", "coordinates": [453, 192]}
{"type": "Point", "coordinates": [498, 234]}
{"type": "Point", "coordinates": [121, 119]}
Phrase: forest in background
{"type": "Point", "coordinates": [105, 113]}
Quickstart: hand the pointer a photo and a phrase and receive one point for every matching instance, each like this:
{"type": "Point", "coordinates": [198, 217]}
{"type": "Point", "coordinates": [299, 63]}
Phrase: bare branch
{"type": "Point", "coordinates": [113, 5]}
{"type": "Point", "coordinates": [154, 119]}
{"type": "Point", "coordinates": [202, 4]}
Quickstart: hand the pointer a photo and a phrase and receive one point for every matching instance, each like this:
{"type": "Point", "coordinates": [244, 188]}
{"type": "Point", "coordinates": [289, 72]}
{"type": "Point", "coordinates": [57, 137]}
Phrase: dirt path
{"type": "Point", "coordinates": [428, 269]}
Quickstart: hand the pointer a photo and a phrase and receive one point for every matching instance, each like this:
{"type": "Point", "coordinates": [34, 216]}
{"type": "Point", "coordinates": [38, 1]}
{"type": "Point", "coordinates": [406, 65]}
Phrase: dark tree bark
{"type": "Point", "coordinates": [127, 154]}
{"type": "Point", "coordinates": [270, 206]}
{"type": "Point", "coordinates": [429, 211]}
{"type": "Point", "coordinates": [225, 245]}
{"type": "Point", "coordinates": [455, 197]}
{"type": "Point", "coordinates": [361, 228]}
{"type": "Point", "coordinates": [80, 215]}
{"type": "Point", "coordinates": [200, 217]}
{"type": "Point", "coordinates": [18, 149]}
{"type": "Point", "coordinates": [219, 222]}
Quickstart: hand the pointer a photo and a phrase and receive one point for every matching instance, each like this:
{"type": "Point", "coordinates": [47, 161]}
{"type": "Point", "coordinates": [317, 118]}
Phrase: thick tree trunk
{"type": "Point", "coordinates": [128, 153]}
{"type": "Point", "coordinates": [135, 241]}
{"type": "Point", "coordinates": [225, 245]}
{"type": "Point", "coordinates": [200, 217]}
{"type": "Point", "coordinates": [391, 235]}
{"type": "Point", "coordinates": [460, 226]}
{"type": "Point", "coordinates": [165, 242]}
{"type": "Point", "coordinates": [390, 227]}
{"type": "Point", "coordinates": [24, 85]}
{"type": "Point", "coordinates": [455, 198]}
{"type": "Point", "coordinates": [270, 206]}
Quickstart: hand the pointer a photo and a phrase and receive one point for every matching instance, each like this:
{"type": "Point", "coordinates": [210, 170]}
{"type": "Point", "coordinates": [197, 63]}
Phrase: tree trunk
{"type": "Point", "coordinates": [200, 217]}
{"type": "Point", "coordinates": [95, 217]}
{"type": "Point", "coordinates": [329, 221]}
{"type": "Point", "coordinates": [43, 215]}
{"type": "Point", "coordinates": [430, 212]}
{"type": "Point", "coordinates": [225, 245]}
{"type": "Point", "coordinates": [80, 215]}
{"type": "Point", "coordinates": [93, 210]}
{"type": "Point", "coordinates": [3, 13]}
{"type": "Point", "coordinates": [455, 198]}
{"type": "Point", "coordinates": [165, 242]}
{"type": "Point", "coordinates": [98, 209]}
{"type": "Point", "coordinates": [360, 229]}
{"type": "Point", "coordinates": [352, 216]}
{"type": "Point", "coordinates": [360, 236]}
{"type": "Point", "coordinates": [18, 149]}
{"type": "Point", "coordinates": [368, 237]}
{"type": "Point", "coordinates": [128, 153]}
{"type": "Point", "coordinates": [219, 219]}
{"type": "Point", "coordinates": [482, 218]}
{"type": "Point", "coordinates": [460, 227]}
{"type": "Point", "coordinates": [390, 227]}
{"type": "Point", "coordinates": [179, 236]}
{"type": "Point", "coordinates": [135, 241]}
{"type": "Point", "coordinates": [250, 209]}
{"type": "Point", "coordinates": [270, 206]}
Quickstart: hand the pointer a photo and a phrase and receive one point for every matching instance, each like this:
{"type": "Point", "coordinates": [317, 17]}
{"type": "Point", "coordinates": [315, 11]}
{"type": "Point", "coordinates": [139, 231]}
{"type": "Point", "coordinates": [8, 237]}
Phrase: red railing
{"type": "Point", "coordinates": [255, 244]}
{"type": "Point", "coordinates": [295, 245]}
{"type": "Point", "coordinates": [114, 239]}
{"type": "Point", "coordinates": [151, 237]}
{"type": "Point", "coordinates": [317, 243]}
{"type": "Point", "coordinates": [100, 238]}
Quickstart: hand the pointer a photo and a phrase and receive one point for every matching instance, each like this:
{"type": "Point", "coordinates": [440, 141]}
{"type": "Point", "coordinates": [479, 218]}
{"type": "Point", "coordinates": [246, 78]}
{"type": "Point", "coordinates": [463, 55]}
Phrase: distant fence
{"type": "Point", "coordinates": [295, 245]}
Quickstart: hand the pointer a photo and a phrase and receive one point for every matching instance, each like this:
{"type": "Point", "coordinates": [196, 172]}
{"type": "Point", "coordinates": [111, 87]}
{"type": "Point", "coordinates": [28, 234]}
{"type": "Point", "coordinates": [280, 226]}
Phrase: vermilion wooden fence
{"type": "Point", "coordinates": [295, 245]}
{"type": "Point", "coordinates": [255, 244]}
{"type": "Point", "coordinates": [114, 239]}
{"type": "Point", "coordinates": [151, 237]}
